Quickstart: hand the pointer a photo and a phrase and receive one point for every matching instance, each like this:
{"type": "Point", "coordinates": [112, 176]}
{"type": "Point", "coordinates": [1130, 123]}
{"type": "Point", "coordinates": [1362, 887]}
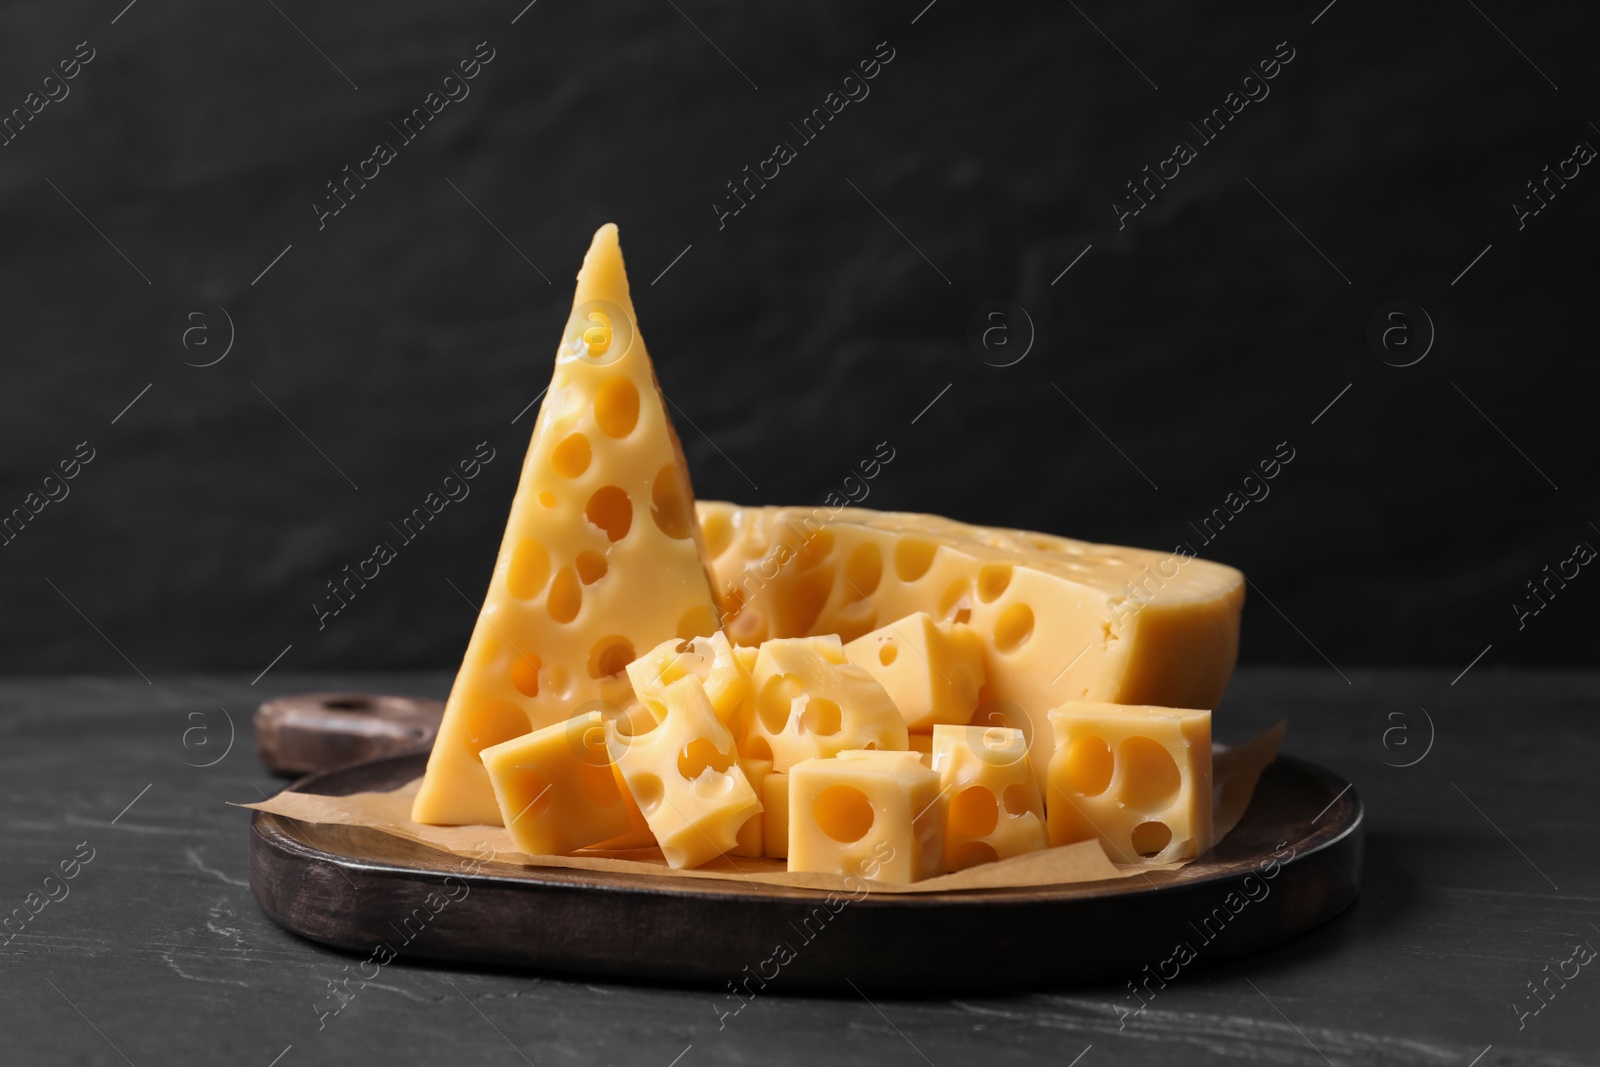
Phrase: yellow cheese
{"type": "Point", "coordinates": [638, 834]}
{"type": "Point", "coordinates": [752, 835]}
{"type": "Point", "coordinates": [709, 659]}
{"type": "Point", "coordinates": [922, 744]}
{"type": "Point", "coordinates": [1061, 620]}
{"type": "Point", "coordinates": [812, 702]}
{"type": "Point", "coordinates": [877, 815]}
{"type": "Point", "coordinates": [555, 787]}
{"type": "Point", "coordinates": [932, 671]}
{"type": "Point", "coordinates": [601, 556]}
{"type": "Point", "coordinates": [685, 776]}
{"type": "Point", "coordinates": [1138, 778]}
{"type": "Point", "coordinates": [775, 815]}
{"type": "Point", "coordinates": [991, 794]}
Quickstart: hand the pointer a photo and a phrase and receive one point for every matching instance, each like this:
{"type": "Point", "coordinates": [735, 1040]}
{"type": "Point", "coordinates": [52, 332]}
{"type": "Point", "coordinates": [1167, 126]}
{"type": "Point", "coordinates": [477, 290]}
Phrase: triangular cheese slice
{"type": "Point", "coordinates": [601, 561]}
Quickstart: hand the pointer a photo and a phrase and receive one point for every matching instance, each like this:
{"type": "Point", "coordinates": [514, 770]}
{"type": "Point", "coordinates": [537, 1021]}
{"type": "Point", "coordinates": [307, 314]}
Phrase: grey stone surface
{"type": "Point", "coordinates": [1480, 871]}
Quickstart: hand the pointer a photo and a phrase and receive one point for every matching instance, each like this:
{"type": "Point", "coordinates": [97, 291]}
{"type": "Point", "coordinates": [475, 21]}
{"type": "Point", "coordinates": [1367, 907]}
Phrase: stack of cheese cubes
{"type": "Point", "coordinates": [857, 693]}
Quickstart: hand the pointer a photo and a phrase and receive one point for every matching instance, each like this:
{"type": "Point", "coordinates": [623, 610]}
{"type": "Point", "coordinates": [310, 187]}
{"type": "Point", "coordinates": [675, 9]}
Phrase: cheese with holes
{"type": "Point", "coordinates": [933, 671]}
{"type": "Point", "coordinates": [710, 659]}
{"type": "Point", "coordinates": [877, 815]}
{"type": "Point", "coordinates": [810, 701]}
{"type": "Point", "coordinates": [990, 793]}
{"type": "Point", "coordinates": [555, 787]}
{"type": "Point", "coordinates": [601, 556]}
{"type": "Point", "coordinates": [775, 815]}
{"type": "Point", "coordinates": [1137, 778]}
{"type": "Point", "coordinates": [1060, 619]}
{"type": "Point", "coordinates": [684, 774]}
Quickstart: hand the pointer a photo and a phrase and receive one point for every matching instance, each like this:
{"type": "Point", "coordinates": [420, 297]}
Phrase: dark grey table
{"type": "Point", "coordinates": [1481, 870]}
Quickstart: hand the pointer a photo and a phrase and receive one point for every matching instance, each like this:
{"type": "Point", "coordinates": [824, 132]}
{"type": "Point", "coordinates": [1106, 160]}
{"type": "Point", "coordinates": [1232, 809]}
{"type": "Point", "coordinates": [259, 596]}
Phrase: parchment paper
{"type": "Point", "coordinates": [1235, 771]}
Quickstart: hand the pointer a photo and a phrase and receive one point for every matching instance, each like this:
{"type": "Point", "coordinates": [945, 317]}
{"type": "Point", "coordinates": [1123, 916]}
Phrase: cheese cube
{"type": "Point", "coordinates": [685, 776]}
{"type": "Point", "coordinates": [812, 702]}
{"type": "Point", "coordinates": [555, 787]}
{"type": "Point", "coordinates": [991, 795]}
{"type": "Point", "coordinates": [932, 671]}
{"type": "Point", "coordinates": [710, 659]}
{"type": "Point", "coordinates": [877, 815]}
{"type": "Point", "coordinates": [1136, 777]}
{"type": "Point", "coordinates": [775, 815]}
{"type": "Point", "coordinates": [752, 835]}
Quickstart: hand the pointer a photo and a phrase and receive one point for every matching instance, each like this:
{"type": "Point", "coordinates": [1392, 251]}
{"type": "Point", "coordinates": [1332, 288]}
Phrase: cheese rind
{"type": "Point", "coordinates": [810, 701]}
{"type": "Point", "coordinates": [878, 815]}
{"type": "Point", "coordinates": [932, 671]}
{"type": "Point", "coordinates": [1136, 777]}
{"type": "Point", "coordinates": [1061, 619]}
{"type": "Point", "coordinates": [601, 555]}
{"type": "Point", "coordinates": [685, 776]}
{"type": "Point", "coordinates": [555, 787]}
{"type": "Point", "coordinates": [990, 793]}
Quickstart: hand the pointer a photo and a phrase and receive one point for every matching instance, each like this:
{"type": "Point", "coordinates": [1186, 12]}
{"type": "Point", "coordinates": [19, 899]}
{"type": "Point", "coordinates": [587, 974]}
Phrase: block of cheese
{"type": "Point", "coordinates": [1138, 778]}
{"type": "Point", "coordinates": [555, 787]}
{"type": "Point", "coordinates": [775, 815]}
{"type": "Point", "coordinates": [810, 701]}
{"type": "Point", "coordinates": [752, 838]}
{"type": "Point", "coordinates": [1061, 620]}
{"type": "Point", "coordinates": [874, 814]}
{"type": "Point", "coordinates": [709, 659]}
{"type": "Point", "coordinates": [990, 792]}
{"type": "Point", "coordinates": [933, 671]}
{"type": "Point", "coordinates": [601, 556]}
{"type": "Point", "coordinates": [685, 776]}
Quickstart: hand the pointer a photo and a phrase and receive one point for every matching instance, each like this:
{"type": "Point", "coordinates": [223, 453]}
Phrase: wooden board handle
{"type": "Point", "coordinates": [313, 732]}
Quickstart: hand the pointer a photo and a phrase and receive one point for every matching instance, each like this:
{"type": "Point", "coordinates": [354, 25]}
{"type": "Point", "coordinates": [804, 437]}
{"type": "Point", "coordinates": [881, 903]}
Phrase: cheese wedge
{"type": "Point", "coordinates": [601, 558]}
{"type": "Point", "coordinates": [1060, 619]}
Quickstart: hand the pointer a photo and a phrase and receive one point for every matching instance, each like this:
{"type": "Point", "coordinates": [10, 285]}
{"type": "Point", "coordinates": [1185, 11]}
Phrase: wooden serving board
{"type": "Point", "coordinates": [359, 889]}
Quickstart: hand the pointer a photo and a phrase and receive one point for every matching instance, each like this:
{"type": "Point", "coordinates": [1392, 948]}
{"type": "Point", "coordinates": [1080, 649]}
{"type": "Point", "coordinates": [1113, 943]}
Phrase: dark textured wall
{"type": "Point", "coordinates": [1174, 356]}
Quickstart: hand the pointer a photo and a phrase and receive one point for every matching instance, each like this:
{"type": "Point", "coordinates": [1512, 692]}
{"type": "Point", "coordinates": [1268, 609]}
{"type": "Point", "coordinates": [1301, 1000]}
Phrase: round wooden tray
{"type": "Point", "coordinates": [360, 889]}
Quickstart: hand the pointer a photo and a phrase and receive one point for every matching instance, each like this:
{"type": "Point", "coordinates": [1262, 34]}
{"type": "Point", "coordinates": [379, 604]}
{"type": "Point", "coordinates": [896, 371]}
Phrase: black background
{"type": "Point", "coordinates": [808, 329]}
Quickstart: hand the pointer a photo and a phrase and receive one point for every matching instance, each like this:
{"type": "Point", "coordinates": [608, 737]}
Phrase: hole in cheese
{"type": "Point", "coordinates": [591, 567]}
{"type": "Point", "coordinates": [571, 457]}
{"type": "Point", "coordinates": [669, 504]}
{"type": "Point", "coordinates": [525, 675]}
{"type": "Point", "coordinates": [821, 717]}
{"type": "Point", "coordinates": [1089, 766]}
{"type": "Point", "coordinates": [973, 812]}
{"type": "Point", "coordinates": [992, 581]}
{"type": "Point", "coordinates": [529, 569]}
{"type": "Point", "coordinates": [699, 755]}
{"type": "Point", "coordinates": [566, 596]}
{"type": "Point", "coordinates": [717, 530]}
{"type": "Point", "coordinates": [647, 792]}
{"type": "Point", "coordinates": [970, 854]}
{"type": "Point", "coordinates": [698, 621]}
{"type": "Point", "coordinates": [492, 722]}
{"type": "Point", "coordinates": [757, 749]}
{"type": "Point", "coordinates": [815, 549]}
{"type": "Point", "coordinates": [843, 812]}
{"type": "Point", "coordinates": [887, 652]}
{"type": "Point", "coordinates": [955, 603]}
{"type": "Point", "coordinates": [1149, 779]}
{"type": "Point", "coordinates": [611, 510]}
{"type": "Point", "coordinates": [547, 498]}
{"type": "Point", "coordinates": [776, 701]}
{"type": "Point", "coordinates": [1017, 799]}
{"type": "Point", "coordinates": [609, 656]}
{"type": "Point", "coordinates": [912, 558]}
{"type": "Point", "coordinates": [1013, 628]}
{"type": "Point", "coordinates": [1151, 837]}
{"type": "Point", "coordinates": [616, 407]}
{"type": "Point", "coordinates": [862, 572]}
